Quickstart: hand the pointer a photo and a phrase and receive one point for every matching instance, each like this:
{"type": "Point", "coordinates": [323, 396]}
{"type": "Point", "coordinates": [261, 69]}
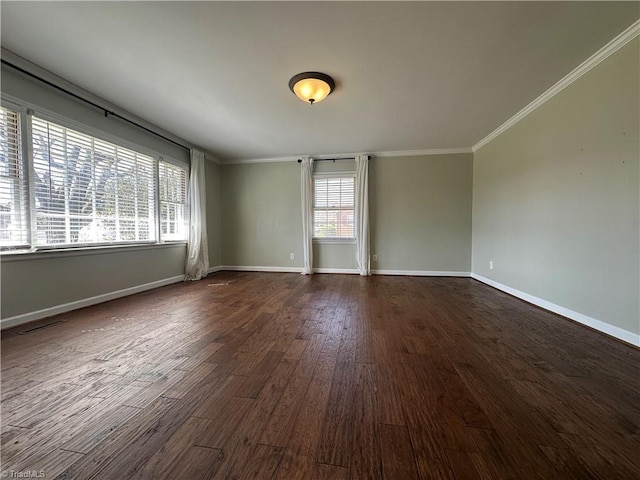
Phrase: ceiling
{"type": "Point", "coordinates": [409, 75]}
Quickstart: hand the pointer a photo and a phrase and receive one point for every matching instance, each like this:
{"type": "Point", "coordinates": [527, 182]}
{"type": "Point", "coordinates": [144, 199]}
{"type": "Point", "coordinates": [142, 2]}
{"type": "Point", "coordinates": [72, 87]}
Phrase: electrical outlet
{"type": "Point", "coordinates": [292, 256]}
{"type": "Point", "coordinates": [375, 257]}
{"type": "Point", "coordinates": [490, 264]}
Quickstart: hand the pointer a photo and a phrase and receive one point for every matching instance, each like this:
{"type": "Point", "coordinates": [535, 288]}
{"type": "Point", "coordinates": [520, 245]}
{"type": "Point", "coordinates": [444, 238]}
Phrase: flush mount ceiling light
{"type": "Point", "coordinates": [311, 87]}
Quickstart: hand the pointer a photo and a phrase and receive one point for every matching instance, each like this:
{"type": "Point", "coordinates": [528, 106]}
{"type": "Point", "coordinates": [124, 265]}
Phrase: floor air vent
{"type": "Point", "coordinates": [40, 327]}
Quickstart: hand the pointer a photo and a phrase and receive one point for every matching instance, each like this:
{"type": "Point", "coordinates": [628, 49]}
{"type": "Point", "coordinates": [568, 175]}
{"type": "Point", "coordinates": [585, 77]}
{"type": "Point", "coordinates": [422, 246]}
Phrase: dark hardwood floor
{"type": "Point", "coordinates": [271, 376]}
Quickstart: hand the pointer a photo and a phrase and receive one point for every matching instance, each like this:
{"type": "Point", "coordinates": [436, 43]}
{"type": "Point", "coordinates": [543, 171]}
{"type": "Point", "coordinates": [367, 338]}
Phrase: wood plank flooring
{"type": "Point", "coordinates": [282, 376]}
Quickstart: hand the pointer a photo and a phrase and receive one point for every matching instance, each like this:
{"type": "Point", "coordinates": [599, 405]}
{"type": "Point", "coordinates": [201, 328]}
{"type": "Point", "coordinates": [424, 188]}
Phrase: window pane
{"type": "Point", "coordinates": [88, 190]}
{"type": "Point", "coordinates": [333, 207]}
{"type": "Point", "coordinates": [173, 202]}
{"type": "Point", "coordinates": [13, 187]}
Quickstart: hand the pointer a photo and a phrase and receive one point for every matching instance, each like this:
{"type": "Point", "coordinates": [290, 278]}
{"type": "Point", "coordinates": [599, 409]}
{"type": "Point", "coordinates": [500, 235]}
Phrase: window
{"type": "Point", "coordinates": [173, 202]}
{"type": "Point", "coordinates": [333, 207]}
{"type": "Point", "coordinates": [13, 185]}
{"type": "Point", "coordinates": [89, 191]}
{"type": "Point", "coordinates": [83, 190]}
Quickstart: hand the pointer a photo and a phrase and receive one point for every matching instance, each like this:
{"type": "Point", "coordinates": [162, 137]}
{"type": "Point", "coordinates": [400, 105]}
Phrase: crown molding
{"type": "Point", "coordinates": [212, 158]}
{"type": "Point", "coordinates": [609, 49]}
{"type": "Point", "coordinates": [386, 154]}
{"type": "Point", "coordinates": [419, 153]}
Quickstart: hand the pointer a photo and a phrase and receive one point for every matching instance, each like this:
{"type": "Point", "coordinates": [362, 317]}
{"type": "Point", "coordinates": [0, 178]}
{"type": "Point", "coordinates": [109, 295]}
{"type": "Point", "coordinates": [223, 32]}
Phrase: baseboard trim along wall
{"type": "Point", "coordinates": [599, 325]}
{"type": "Point", "coordinates": [421, 273]}
{"type": "Point", "coordinates": [257, 268]}
{"type": "Point", "coordinates": [344, 271]}
{"type": "Point", "coordinates": [350, 271]}
{"type": "Point", "coordinates": [617, 332]}
{"type": "Point", "coordinates": [85, 302]}
{"type": "Point", "coordinates": [262, 268]}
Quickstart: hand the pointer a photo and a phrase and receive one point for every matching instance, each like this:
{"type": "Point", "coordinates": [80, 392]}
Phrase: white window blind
{"type": "Point", "coordinates": [89, 191]}
{"type": "Point", "coordinates": [173, 202]}
{"type": "Point", "coordinates": [333, 207]}
{"type": "Point", "coordinates": [13, 185]}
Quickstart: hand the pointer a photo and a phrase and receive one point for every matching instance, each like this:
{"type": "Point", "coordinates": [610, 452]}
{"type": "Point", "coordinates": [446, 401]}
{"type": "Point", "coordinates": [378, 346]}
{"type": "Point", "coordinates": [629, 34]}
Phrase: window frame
{"type": "Point", "coordinates": [187, 210]}
{"type": "Point", "coordinates": [25, 136]}
{"type": "Point", "coordinates": [335, 240]}
{"type": "Point", "coordinates": [26, 110]}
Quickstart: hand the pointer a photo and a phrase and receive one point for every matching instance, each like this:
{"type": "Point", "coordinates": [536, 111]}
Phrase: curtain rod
{"type": "Point", "coordinates": [106, 111]}
{"type": "Point", "coordinates": [332, 159]}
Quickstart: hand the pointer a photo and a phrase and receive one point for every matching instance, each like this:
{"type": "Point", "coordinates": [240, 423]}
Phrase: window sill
{"type": "Point", "coordinates": [335, 241]}
{"type": "Point", "coordinates": [18, 255]}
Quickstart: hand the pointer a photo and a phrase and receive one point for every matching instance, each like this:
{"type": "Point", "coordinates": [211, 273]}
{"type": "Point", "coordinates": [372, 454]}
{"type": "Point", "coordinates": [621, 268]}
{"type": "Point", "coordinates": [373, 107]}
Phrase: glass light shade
{"type": "Point", "coordinates": [311, 90]}
{"type": "Point", "coordinates": [311, 87]}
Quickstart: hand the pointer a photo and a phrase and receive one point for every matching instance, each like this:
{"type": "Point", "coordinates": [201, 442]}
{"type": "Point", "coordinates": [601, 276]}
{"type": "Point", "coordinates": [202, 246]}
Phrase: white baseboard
{"type": "Point", "coordinates": [215, 269]}
{"type": "Point", "coordinates": [259, 268]}
{"type": "Point", "coordinates": [420, 273]}
{"type": "Point", "coordinates": [617, 332]}
{"type": "Point", "coordinates": [85, 302]}
{"type": "Point", "coordinates": [350, 271]}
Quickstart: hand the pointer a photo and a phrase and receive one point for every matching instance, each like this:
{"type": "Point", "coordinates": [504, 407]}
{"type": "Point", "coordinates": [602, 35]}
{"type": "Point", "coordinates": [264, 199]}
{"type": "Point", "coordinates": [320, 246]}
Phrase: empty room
{"type": "Point", "coordinates": [320, 240]}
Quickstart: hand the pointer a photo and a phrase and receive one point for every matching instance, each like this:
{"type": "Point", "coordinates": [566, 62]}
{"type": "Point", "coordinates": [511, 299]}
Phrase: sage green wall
{"type": "Point", "coordinates": [420, 210]}
{"type": "Point", "coordinates": [214, 230]}
{"type": "Point", "coordinates": [336, 256]}
{"type": "Point", "coordinates": [33, 282]}
{"type": "Point", "coordinates": [556, 197]}
{"type": "Point", "coordinates": [261, 215]}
